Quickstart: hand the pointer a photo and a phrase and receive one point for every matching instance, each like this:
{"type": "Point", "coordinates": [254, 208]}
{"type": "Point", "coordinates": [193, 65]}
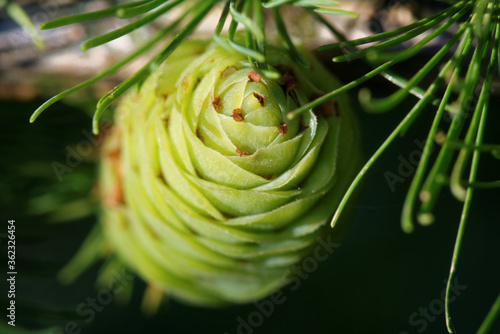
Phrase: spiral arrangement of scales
{"type": "Point", "coordinates": [299, 115]}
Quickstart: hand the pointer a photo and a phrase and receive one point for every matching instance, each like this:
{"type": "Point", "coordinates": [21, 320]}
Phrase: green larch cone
{"type": "Point", "coordinates": [209, 191]}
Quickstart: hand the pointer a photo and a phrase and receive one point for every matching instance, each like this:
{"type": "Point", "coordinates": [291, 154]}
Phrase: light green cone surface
{"type": "Point", "coordinates": [216, 208]}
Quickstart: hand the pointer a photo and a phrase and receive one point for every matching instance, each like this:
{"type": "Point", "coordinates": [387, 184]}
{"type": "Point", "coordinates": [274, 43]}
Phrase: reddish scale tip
{"type": "Point", "coordinates": [198, 134]}
{"type": "Point", "coordinates": [238, 115]}
{"type": "Point", "coordinates": [254, 76]}
{"type": "Point", "coordinates": [302, 126]}
{"type": "Point", "coordinates": [215, 103]}
{"type": "Point", "coordinates": [242, 153]}
{"type": "Point", "coordinates": [282, 128]}
{"type": "Point", "coordinates": [115, 196]}
{"type": "Point", "coordinates": [260, 98]}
